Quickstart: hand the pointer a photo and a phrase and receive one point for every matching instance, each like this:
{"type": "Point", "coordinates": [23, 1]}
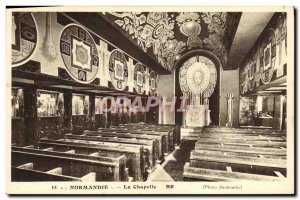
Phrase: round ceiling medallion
{"type": "Point", "coordinates": [118, 69]}
{"type": "Point", "coordinates": [24, 37]}
{"type": "Point", "coordinates": [158, 30]}
{"type": "Point", "coordinates": [139, 78]}
{"type": "Point", "coordinates": [190, 28]}
{"type": "Point", "coordinates": [79, 53]}
{"type": "Point", "coordinates": [218, 20]}
{"type": "Point", "coordinates": [198, 75]}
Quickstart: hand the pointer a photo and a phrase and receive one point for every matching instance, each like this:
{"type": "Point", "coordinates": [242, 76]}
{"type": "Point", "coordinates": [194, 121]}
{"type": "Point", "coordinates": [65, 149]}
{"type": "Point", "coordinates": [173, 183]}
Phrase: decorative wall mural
{"type": "Point", "coordinates": [281, 37]}
{"type": "Point", "coordinates": [268, 56]}
{"type": "Point", "coordinates": [167, 35]}
{"type": "Point", "coordinates": [189, 24]}
{"type": "Point", "coordinates": [198, 75]}
{"type": "Point", "coordinates": [247, 110]}
{"type": "Point", "coordinates": [48, 50]}
{"type": "Point", "coordinates": [24, 37]}
{"type": "Point", "coordinates": [257, 73]}
{"type": "Point", "coordinates": [153, 30]}
{"type": "Point", "coordinates": [139, 78]}
{"type": "Point", "coordinates": [216, 27]}
{"type": "Point", "coordinates": [153, 78]}
{"type": "Point", "coordinates": [79, 53]}
{"type": "Point", "coordinates": [118, 69]}
{"type": "Point", "coordinates": [243, 85]}
{"type": "Point", "coordinates": [251, 72]}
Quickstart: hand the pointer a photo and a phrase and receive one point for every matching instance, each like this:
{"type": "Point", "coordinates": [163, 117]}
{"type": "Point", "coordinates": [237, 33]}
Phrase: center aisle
{"type": "Point", "coordinates": [172, 169]}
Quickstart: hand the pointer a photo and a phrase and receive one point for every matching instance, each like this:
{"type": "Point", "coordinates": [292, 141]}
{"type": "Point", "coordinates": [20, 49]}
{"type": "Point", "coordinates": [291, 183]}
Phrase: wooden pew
{"type": "Point", "coordinates": [242, 136]}
{"type": "Point", "coordinates": [202, 174]}
{"type": "Point", "coordinates": [161, 127]}
{"type": "Point", "coordinates": [70, 166]}
{"type": "Point", "coordinates": [241, 142]}
{"type": "Point", "coordinates": [255, 154]}
{"type": "Point", "coordinates": [167, 143]}
{"type": "Point", "coordinates": [246, 150]}
{"type": "Point", "coordinates": [134, 155]}
{"type": "Point", "coordinates": [157, 127]}
{"type": "Point", "coordinates": [257, 130]}
{"type": "Point", "coordinates": [150, 147]}
{"type": "Point", "coordinates": [27, 173]}
{"type": "Point", "coordinates": [256, 127]}
{"type": "Point", "coordinates": [229, 154]}
{"type": "Point", "coordinates": [168, 135]}
{"type": "Point", "coordinates": [241, 164]}
{"type": "Point", "coordinates": [121, 172]}
{"type": "Point", "coordinates": [175, 128]}
{"type": "Point", "coordinates": [143, 127]}
{"type": "Point", "coordinates": [157, 140]}
{"type": "Point", "coordinates": [162, 138]}
{"type": "Point", "coordinates": [242, 131]}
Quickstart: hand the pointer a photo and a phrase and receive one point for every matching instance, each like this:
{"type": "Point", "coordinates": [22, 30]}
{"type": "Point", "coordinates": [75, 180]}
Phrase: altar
{"type": "Point", "coordinates": [198, 118]}
{"type": "Point", "coordinates": [197, 78]}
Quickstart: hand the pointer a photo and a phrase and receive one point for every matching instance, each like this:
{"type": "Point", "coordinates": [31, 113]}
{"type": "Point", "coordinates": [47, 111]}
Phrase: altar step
{"type": "Point", "coordinates": [190, 133]}
{"type": "Point", "coordinates": [190, 138]}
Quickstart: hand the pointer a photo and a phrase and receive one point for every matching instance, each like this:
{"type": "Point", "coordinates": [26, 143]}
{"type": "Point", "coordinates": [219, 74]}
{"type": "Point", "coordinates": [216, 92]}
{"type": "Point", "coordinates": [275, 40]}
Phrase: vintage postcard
{"type": "Point", "coordinates": [150, 100]}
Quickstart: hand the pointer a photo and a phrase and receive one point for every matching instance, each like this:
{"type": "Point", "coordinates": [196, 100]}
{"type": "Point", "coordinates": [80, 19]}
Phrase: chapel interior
{"type": "Point", "coordinates": [231, 66]}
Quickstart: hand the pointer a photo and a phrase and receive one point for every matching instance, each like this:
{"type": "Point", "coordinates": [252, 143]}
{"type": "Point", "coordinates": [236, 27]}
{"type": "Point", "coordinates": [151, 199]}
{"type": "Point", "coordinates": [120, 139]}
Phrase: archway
{"type": "Point", "coordinates": [213, 99]}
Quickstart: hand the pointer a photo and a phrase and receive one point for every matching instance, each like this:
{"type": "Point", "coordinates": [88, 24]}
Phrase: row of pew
{"type": "Point", "coordinates": [231, 154]}
{"type": "Point", "coordinates": [128, 152]}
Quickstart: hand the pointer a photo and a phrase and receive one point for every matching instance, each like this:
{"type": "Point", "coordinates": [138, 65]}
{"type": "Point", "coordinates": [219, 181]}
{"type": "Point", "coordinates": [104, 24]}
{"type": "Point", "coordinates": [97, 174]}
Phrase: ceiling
{"type": "Point", "coordinates": [159, 39]}
{"type": "Point", "coordinates": [166, 36]}
{"type": "Point", "coordinates": [250, 27]}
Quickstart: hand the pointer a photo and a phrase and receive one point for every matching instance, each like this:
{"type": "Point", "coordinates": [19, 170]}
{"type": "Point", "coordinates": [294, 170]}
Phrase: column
{"type": "Point", "coordinates": [108, 114]}
{"type": "Point", "coordinates": [184, 111]}
{"type": "Point", "coordinates": [68, 111]}
{"type": "Point", "coordinates": [92, 120]}
{"type": "Point", "coordinates": [30, 115]}
{"type": "Point", "coordinates": [229, 109]}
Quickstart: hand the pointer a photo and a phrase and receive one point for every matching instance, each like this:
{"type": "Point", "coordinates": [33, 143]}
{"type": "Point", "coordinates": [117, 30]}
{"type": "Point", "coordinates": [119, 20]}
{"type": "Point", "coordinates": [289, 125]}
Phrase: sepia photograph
{"type": "Point", "coordinates": [150, 100]}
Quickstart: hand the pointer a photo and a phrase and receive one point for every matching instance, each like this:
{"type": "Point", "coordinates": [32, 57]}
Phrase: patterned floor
{"type": "Point", "coordinates": [172, 169]}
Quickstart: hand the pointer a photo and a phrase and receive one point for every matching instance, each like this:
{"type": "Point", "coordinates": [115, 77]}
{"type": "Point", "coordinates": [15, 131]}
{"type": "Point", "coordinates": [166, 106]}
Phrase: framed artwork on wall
{"type": "Point", "coordinates": [139, 78]}
{"type": "Point", "coordinates": [24, 37]}
{"type": "Point", "coordinates": [80, 104]}
{"type": "Point", "coordinates": [251, 71]}
{"type": "Point", "coordinates": [79, 53]}
{"type": "Point", "coordinates": [267, 57]}
{"type": "Point", "coordinates": [17, 102]}
{"type": "Point", "coordinates": [49, 103]}
{"type": "Point", "coordinates": [118, 69]}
